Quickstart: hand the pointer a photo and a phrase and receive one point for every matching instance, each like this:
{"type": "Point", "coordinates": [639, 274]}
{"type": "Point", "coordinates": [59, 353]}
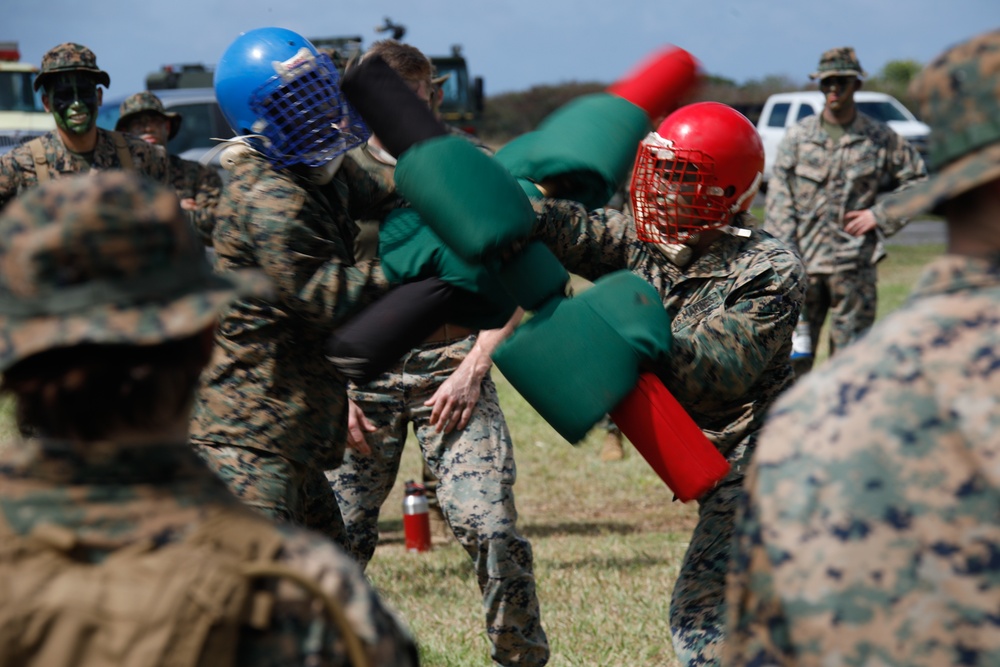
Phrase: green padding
{"type": "Point", "coordinates": [533, 276]}
{"type": "Point", "coordinates": [576, 359]}
{"type": "Point", "coordinates": [466, 196]}
{"type": "Point", "coordinates": [589, 144]}
{"type": "Point", "coordinates": [410, 251]}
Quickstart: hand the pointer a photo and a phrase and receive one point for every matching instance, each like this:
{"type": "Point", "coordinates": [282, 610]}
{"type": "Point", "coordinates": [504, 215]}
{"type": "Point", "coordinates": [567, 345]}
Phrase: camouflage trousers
{"type": "Point", "coordinates": [850, 297]}
{"type": "Point", "coordinates": [697, 607]}
{"type": "Point", "coordinates": [278, 487]}
{"type": "Point", "coordinates": [476, 473]}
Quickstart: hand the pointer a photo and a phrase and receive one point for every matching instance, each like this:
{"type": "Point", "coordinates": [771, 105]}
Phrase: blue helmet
{"type": "Point", "coordinates": [274, 84]}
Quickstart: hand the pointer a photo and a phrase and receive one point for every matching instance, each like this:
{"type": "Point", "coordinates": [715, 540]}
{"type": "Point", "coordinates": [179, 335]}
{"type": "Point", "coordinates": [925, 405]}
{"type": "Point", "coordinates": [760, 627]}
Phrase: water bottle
{"type": "Point", "coordinates": [416, 520]}
{"type": "Point", "coordinates": [801, 340]}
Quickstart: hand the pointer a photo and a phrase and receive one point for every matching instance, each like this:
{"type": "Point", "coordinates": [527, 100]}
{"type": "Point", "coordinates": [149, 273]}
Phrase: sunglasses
{"type": "Point", "coordinates": [839, 82]}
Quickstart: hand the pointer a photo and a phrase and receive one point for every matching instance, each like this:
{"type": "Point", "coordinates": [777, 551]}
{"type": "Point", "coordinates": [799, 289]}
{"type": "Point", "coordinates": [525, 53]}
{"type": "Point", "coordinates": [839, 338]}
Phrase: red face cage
{"type": "Point", "coordinates": [674, 192]}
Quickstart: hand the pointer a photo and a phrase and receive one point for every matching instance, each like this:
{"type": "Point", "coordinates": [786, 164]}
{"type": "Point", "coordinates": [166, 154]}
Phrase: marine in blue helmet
{"type": "Point", "coordinates": [271, 414]}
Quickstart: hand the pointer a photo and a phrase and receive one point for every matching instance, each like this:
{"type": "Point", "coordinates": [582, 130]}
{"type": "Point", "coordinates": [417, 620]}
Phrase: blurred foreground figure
{"type": "Point", "coordinates": [871, 533]}
{"type": "Point", "coordinates": [117, 545]}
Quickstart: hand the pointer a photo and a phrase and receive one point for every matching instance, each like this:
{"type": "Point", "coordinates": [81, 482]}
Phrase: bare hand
{"type": "Point", "coordinates": [452, 404]}
{"type": "Point", "coordinates": [859, 223]}
{"type": "Point", "coordinates": [357, 426]}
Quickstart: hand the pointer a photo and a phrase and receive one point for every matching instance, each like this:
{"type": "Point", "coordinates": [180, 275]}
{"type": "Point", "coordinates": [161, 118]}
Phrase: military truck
{"type": "Point", "coordinates": [22, 116]}
{"type": "Point", "coordinates": [463, 100]}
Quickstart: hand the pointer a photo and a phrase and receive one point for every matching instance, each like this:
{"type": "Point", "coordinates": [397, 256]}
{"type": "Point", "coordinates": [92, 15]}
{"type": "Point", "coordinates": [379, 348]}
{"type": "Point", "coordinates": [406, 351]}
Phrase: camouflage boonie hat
{"type": "Point", "coordinates": [102, 259]}
{"type": "Point", "coordinates": [70, 57]}
{"type": "Point", "coordinates": [958, 95]}
{"type": "Point", "coordinates": [146, 102]}
{"type": "Point", "coordinates": [840, 61]}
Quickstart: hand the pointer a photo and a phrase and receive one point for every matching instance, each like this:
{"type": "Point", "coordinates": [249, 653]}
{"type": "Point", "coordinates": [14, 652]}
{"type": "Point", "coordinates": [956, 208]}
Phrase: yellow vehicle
{"type": "Point", "coordinates": [22, 116]}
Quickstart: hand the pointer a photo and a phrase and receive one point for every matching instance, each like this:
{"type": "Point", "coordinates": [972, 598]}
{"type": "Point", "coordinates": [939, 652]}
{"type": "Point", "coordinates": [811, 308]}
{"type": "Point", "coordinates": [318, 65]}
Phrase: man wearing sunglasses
{"type": "Point", "coordinates": [70, 81]}
{"type": "Point", "coordinates": [821, 200]}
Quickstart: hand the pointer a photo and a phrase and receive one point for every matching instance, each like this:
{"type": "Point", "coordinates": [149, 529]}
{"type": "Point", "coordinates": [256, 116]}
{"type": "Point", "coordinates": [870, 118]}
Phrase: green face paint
{"type": "Point", "coordinates": [73, 101]}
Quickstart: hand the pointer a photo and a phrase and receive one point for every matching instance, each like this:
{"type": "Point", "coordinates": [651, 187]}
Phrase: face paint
{"type": "Point", "coordinates": [73, 102]}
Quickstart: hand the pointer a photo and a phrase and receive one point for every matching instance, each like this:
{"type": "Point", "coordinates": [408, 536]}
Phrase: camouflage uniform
{"type": "Point", "coordinates": [732, 312]}
{"type": "Point", "coordinates": [191, 180]}
{"type": "Point", "coordinates": [869, 534]}
{"type": "Point", "coordinates": [271, 414]}
{"type": "Point", "coordinates": [114, 495]}
{"type": "Point", "coordinates": [474, 466]}
{"type": "Point", "coordinates": [18, 168]}
{"type": "Point", "coordinates": [815, 181]}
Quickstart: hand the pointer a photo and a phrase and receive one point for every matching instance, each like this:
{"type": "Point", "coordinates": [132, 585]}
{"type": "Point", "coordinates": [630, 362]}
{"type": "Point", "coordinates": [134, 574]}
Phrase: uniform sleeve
{"type": "Point", "coordinates": [755, 620]}
{"type": "Point", "coordinates": [207, 188]}
{"type": "Point", "coordinates": [722, 355]}
{"type": "Point", "coordinates": [905, 167]}
{"type": "Point", "coordinates": [307, 256]}
{"type": "Point", "coordinates": [780, 218]}
{"type": "Point", "coordinates": [10, 178]}
{"type": "Point", "coordinates": [588, 244]}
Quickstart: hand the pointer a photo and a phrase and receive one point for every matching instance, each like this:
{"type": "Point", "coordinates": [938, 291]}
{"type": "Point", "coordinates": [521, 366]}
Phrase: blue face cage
{"type": "Point", "coordinates": [303, 118]}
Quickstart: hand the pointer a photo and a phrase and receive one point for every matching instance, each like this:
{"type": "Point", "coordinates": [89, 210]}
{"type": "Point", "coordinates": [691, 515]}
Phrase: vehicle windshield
{"type": "Point", "coordinates": [455, 87]}
{"type": "Point", "coordinates": [883, 111]}
{"type": "Point", "coordinates": [16, 93]}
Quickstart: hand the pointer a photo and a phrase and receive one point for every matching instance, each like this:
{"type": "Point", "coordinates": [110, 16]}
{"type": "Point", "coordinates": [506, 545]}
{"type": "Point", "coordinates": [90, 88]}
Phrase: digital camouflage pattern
{"type": "Point", "coordinates": [18, 169]}
{"type": "Point", "coordinates": [732, 314]}
{"type": "Point", "coordinates": [269, 386]}
{"type": "Point", "coordinates": [814, 183]}
{"type": "Point", "coordinates": [870, 532]}
{"type": "Point", "coordinates": [958, 94]}
{"type": "Point", "coordinates": [193, 180]}
{"type": "Point", "coordinates": [146, 102]}
{"type": "Point", "coordinates": [476, 473]}
{"type": "Point", "coordinates": [840, 61]}
{"type": "Point", "coordinates": [105, 259]}
{"type": "Point", "coordinates": [70, 57]}
{"type": "Point", "coordinates": [114, 495]}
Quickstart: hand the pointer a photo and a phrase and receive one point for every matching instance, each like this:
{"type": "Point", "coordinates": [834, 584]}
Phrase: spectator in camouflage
{"type": "Point", "coordinates": [869, 534]}
{"type": "Point", "coordinates": [733, 297]}
{"type": "Point", "coordinates": [70, 81]}
{"type": "Point", "coordinates": [198, 187]}
{"type": "Point", "coordinates": [271, 414]}
{"type": "Point", "coordinates": [444, 389]}
{"type": "Point", "coordinates": [108, 308]}
{"type": "Point", "coordinates": [821, 200]}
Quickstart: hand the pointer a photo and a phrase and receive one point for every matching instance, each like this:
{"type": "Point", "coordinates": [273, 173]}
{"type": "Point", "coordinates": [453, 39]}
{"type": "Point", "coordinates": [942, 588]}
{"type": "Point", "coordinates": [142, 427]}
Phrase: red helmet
{"type": "Point", "coordinates": [701, 166]}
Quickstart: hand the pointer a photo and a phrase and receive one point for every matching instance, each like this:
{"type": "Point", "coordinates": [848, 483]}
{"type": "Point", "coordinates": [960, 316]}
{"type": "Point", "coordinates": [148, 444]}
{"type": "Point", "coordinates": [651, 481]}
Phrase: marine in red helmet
{"type": "Point", "coordinates": [733, 294]}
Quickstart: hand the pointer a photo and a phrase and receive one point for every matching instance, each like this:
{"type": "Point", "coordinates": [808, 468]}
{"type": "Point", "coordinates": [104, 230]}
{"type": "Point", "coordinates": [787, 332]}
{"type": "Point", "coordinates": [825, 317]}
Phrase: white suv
{"type": "Point", "coordinates": [783, 110]}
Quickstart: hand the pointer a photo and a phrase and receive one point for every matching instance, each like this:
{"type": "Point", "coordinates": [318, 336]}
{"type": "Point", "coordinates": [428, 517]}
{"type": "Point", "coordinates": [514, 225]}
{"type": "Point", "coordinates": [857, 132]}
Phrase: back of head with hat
{"type": "Point", "coordinates": [146, 102]}
{"type": "Point", "coordinates": [104, 259]}
{"type": "Point", "coordinates": [70, 57]}
{"type": "Point", "coordinates": [841, 61]}
{"type": "Point", "coordinates": [958, 95]}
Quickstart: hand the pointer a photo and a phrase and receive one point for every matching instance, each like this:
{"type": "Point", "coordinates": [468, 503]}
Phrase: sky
{"type": "Point", "coordinates": [513, 44]}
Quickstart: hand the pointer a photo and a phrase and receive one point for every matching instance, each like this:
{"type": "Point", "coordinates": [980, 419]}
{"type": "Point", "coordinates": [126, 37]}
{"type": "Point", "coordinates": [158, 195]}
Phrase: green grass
{"type": "Point", "coordinates": [607, 539]}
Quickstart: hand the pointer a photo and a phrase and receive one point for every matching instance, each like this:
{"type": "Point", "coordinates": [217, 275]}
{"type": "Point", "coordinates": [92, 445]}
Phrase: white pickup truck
{"type": "Point", "coordinates": [783, 110]}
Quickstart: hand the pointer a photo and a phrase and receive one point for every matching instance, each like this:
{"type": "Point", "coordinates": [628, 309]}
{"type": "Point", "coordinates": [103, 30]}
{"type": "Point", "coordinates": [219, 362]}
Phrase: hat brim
{"type": "Point", "coordinates": [102, 77]}
{"type": "Point", "coordinates": [174, 118]}
{"type": "Point", "coordinates": [950, 181]}
{"type": "Point", "coordinates": [150, 323]}
{"type": "Point", "coordinates": [838, 72]}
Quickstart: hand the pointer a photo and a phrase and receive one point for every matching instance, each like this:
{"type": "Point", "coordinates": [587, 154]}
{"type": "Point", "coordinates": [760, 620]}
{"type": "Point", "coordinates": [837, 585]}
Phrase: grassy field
{"type": "Point", "coordinates": [607, 539]}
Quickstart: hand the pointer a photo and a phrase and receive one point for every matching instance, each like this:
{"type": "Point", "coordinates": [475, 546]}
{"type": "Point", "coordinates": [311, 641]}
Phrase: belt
{"type": "Point", "coordinates": [447, 332]}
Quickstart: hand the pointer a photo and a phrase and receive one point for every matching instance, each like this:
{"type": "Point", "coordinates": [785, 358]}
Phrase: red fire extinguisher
{"type": "Point", "coordinates": [416, 521]}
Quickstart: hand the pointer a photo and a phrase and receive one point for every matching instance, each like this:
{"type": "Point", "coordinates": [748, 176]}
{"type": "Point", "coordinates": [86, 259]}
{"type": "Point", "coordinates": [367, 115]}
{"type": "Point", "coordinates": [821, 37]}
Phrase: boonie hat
{"type": "Point", "coordinates": [146, 102]}
{"type": "Point", "coordinates": [104, 259]}
{"type": "Point", "coordinates": [841, 61]}
{"type": "Point", "coordinates": [958, 95]}
{"type": "Point", "coordinates": [70, 57]}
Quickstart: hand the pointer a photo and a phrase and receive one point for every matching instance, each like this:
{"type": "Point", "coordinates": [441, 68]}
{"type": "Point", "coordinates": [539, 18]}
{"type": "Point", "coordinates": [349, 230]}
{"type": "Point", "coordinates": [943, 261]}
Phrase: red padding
{"type": "Point", "coordinates": [666, 436]}
{"type": "Point", "coordinates": [660, 83]}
